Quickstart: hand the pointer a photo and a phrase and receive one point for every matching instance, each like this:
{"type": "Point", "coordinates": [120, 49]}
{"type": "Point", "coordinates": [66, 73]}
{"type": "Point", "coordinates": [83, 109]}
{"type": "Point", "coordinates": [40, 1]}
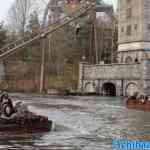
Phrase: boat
{"type": "Point", "coordinates": [36, 123]}
{"type": "Point", "coordinates": [139, 104]}
{"type": "Point", "coordinates": [16, 117]}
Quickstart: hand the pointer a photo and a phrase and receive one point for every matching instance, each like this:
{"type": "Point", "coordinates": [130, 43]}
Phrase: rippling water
{"type": "Point", "coordinates": [81, 123]}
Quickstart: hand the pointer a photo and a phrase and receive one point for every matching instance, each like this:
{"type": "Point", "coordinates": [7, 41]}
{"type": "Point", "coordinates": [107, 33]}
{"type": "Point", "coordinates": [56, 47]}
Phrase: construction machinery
{"type": "Point", "coordinates": [18, 45]}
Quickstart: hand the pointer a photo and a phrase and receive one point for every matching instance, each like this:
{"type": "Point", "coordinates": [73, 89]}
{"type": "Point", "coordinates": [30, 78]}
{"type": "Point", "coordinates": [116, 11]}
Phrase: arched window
{"type": "Point", "coordinates": [136, 60]}
{"type": "Point", "coordinates": [128, 60]}
{"type": "Point", "coordinates": [131, 88]}
{"type": "Point", "coordinates": [90, 87]}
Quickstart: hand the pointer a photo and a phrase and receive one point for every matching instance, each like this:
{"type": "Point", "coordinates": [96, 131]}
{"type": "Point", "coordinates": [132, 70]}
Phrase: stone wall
{"type": "Point", "coordinates": [146, 76]}
{"type": "Point", "coordinates": [146, 20]}
{"type": "Point", "coordinates": [112, 71]}
{"type": "Point", "coordinates": [132, 73]}
{"type": "Point", "coordinates": [130, 14]}
{"type": "Point", "coordinates": [127, 78]}
{"type": "Point", "coordinates": [133, 29]}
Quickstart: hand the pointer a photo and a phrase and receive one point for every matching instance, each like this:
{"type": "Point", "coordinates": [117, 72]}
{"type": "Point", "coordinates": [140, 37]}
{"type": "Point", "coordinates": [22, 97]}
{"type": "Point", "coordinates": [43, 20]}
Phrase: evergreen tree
{"type": "Point", "coordinates": [33, 29]}
{"type": "Point", "coordinates": [34, 24]}
{"type": "Point", "coordinates": [83, 33]}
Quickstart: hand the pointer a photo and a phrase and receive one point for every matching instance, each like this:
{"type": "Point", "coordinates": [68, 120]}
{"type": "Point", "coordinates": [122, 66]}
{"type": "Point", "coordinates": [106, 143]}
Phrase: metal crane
{"type": "Point", "coordinates": [15, 46]}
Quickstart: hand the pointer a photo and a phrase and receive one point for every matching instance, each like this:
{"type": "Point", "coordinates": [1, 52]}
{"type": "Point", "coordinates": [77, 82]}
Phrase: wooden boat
{"type": "Point", "coordinates": [35, 123]}
{"type": "Point", "coordinates": [138, 104]}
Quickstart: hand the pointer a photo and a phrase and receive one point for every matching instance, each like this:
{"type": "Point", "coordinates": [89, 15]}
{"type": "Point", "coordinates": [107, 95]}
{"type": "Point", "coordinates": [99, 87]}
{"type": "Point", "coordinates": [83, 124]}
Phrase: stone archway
{"type": "Point", "coordinates": [89, 87]}
{"type": "Point", "coordinates": [109, 89]}
{"type": "Point", "coordinates": [129, 60]}
{"type": "Point", "coordinates": [131, 88]}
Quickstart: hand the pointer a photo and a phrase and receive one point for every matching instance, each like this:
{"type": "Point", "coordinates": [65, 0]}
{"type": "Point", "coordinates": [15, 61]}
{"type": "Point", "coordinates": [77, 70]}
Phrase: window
{"type": "Point", "coordinates": [136, 60]}
{"type": "Point", "coordinates": [122, 29]}
{"type": "Point", "coordinates": [128, 60]}
{"type": "Point", "coordinates": [148, 26]}
{"type": "Point", "coordinates": [129, 13]}
{"type": "Point", "coordinates": [135, 27]}
{"type": "Point", "coordinates": [128, 32]}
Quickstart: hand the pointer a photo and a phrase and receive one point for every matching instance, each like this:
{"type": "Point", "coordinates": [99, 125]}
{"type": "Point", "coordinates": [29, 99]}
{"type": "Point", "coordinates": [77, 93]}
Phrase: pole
{"type": "Point", "coordinates": [91, 44]}
{"type": "Point", "coordinates": [96, 40]}
{"type": "Point", "coordinates": [42, 67]}
{"type": "Point", "coordinates": [112, 47]}
{"type": "Point", "coordinates": [82, 78]}
{"type": "Point", "coordinates": [122, 87]}
{"type": "Point", "coordinates": [92, 13]}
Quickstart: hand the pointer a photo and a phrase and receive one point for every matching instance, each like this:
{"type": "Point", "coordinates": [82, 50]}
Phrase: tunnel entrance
{"type": "Point", "coordinates": [109, 89]}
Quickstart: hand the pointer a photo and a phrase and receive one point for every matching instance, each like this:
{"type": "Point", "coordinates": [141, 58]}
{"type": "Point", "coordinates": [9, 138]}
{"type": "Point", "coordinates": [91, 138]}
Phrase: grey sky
{"type": "Point", "coordinates": [5, 5]}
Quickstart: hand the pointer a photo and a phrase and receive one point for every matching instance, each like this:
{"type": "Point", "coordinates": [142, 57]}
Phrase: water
{"type": "Point", "coordinates": [81, 123]}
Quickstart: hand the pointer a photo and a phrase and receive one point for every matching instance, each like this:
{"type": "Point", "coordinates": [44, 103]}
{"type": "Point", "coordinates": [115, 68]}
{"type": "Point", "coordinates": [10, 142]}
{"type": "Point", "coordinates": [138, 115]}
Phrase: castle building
{"type": "Point", "coordinates": [134, 30]}
{"type": "Point", "coordinates": [132, 71]}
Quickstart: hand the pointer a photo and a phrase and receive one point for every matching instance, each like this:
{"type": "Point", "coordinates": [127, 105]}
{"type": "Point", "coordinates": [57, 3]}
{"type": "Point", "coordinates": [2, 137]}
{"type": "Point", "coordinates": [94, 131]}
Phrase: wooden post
{"type": "Point", "coordinates": [112, 47]}
{"type": "Point", "coordinates": [92, 17]}
{"type": "Point", "coordinates": [91, 44]}
{"type": "Point", "coordinates": [100, 42]}
{"type": "Point", "coordinates": [42, 67]}
{"type": "Point", "coordinates": [96, 40]}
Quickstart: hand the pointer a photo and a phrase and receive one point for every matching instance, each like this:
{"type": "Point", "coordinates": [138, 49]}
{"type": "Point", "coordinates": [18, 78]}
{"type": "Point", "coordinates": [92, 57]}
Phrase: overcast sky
{"type": "Point", "coordinates": [5, 5]}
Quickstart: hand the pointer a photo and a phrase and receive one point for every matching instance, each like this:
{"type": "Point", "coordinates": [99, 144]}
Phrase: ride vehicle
{"type": "Point", "coordinates": [15, 117]}
{"type": "Point", "coordinates": [140, 103]}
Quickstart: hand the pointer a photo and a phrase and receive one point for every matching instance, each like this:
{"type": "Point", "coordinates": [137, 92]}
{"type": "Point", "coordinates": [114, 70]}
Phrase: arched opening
{"type": "Point", "coordinates": [131, 88]}
{"type": "Point", "coordinates": [109, 89]}
{"type": "Point", "coordinates": [136, 60]}
{"type": "Point", "coordinates": [89, 87]}
{"type": "Point", "coordinates": [128, 60]}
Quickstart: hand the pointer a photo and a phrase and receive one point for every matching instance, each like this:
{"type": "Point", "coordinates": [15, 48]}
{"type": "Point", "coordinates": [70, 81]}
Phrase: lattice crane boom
{"type": "Point", "coordinates": [15, 46]}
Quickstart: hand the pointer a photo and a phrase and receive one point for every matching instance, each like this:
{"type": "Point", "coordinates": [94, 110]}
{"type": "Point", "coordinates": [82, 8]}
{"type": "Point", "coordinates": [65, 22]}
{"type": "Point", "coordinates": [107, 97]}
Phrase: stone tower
{"type": "Point", "coordinates": [134, 30]}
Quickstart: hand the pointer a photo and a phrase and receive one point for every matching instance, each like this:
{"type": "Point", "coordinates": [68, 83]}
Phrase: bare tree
{"type": "Point", "coordinates": [19, 14]}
